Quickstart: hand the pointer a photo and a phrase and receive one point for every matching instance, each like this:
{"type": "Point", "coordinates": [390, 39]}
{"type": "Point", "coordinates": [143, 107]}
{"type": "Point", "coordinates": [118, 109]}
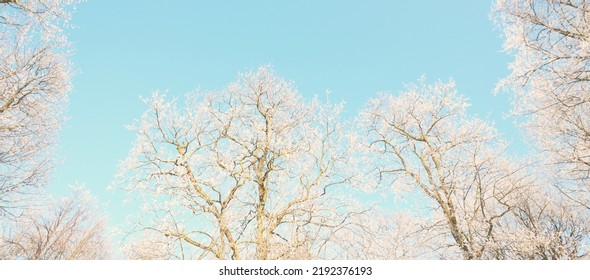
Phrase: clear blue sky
{"type": "Point", "coordinates": [127, 49]}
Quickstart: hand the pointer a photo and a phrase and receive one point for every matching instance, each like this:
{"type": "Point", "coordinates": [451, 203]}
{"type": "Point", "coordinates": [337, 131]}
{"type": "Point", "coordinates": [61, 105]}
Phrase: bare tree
{"type": "Point", "coordinates": [251, 171]}
{"type": "Point", "coordinates": [422, 138]}
{"type": "Point", "coordinates": [34, 82]}
{"type": "Point", "coordinates": [152, 245]}
{"type": "Point", "coordinates": [544, 226]}
{"type": "Point", "coordinates": [550, 80]}
{"type": "Point", "coordinates": [66, 229]}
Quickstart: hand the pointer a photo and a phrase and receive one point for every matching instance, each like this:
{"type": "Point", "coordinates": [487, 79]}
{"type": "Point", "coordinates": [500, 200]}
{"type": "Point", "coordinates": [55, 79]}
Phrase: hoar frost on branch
{"type": "Point", "coordinates": [481, 200]}
{"type": "Point", "coordinates": [69, 228]}
{"type": "Point", "coordinates": [550, 79]}
{"type": "Point", "coordinates": [34, 82]}
{"type": "Point", "coordinates": [248, 172]}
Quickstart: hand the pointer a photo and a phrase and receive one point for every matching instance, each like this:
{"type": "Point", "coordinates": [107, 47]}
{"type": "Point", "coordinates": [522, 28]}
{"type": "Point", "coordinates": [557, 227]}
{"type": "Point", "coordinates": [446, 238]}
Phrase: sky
{"type": "Point", "coordinates": [355, 49]}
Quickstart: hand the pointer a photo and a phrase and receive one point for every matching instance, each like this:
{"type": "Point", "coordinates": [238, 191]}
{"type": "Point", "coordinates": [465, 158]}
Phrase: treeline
{"type": "Point", "coordinates": [255, 171]}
